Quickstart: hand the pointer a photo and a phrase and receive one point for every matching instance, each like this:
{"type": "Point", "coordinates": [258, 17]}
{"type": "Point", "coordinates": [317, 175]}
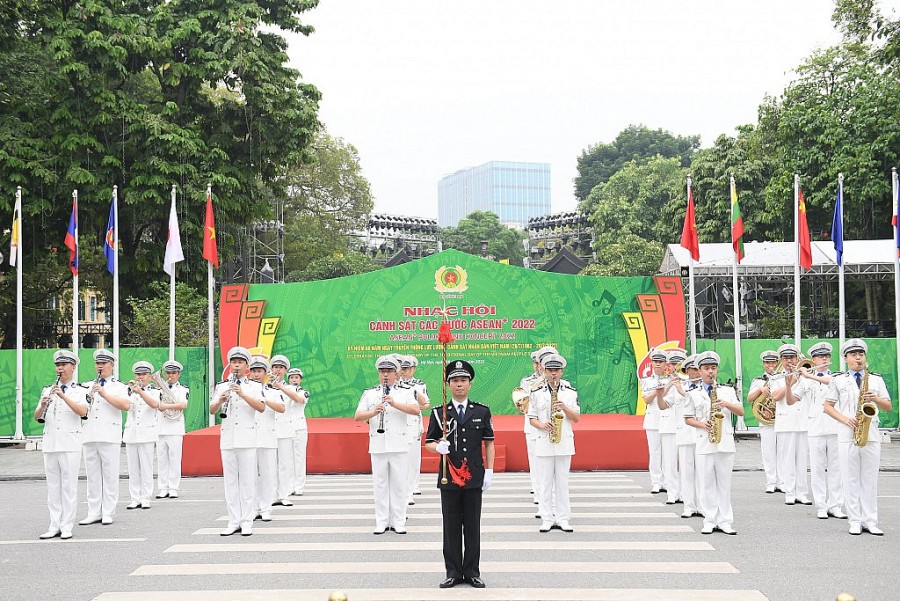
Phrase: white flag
{"type": "Point", "coordinates": [173, 244]}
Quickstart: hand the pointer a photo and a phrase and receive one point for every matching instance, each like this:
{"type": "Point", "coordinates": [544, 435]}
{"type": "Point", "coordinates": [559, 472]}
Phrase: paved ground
{"type": "Point", "coordinates": [628, 546]}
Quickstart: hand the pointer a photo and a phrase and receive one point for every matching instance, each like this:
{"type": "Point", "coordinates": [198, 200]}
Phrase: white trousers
{"type": "Point", "coordinates": [285, 485]}
{"type": "Point", "coordinates": [715, 490]}
{"type": "Point", "coordinates": [669, 452]}
{"type": "Point", "coordinates": [654, 446]}
{"type": "Point", "coordinates": [688, 477]}
{"type": "Point", "coordinates": [390, 479]}
{"type": "Point", "coordinates": [532, 464]}
{"type": "Point", "coordinates": [61, 468]}
{"type": "Point", "coordinates": [768, 446]}
{"type": "Point", "coordinates": [101, 466]}
{"type": "Point", "coordinates": [140, 471]}
{"type": "Point", "coordinates": [267, 468]}
{"type": "Point", "coordinates": [553, 488]}
{"type": "Point", "coordinates": [301, 437]}
{"type": "Point", "coordinates": [825, 472]}
{"type": "Point", "coordinates": [168, 455]}
{"type": "Point", "coordinates": [239, 471]}
{"type": "Point", "coordinates": [415, 465]}
{"type": "Point", "coordinates": [859, 473]}
{"type": "Point", "coordinates": [793, 459]}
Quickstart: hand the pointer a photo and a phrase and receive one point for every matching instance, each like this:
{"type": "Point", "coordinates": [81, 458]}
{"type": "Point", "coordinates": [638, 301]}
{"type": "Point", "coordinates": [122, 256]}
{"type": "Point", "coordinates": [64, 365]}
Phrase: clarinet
{"type": "Point", "coordinates": [223, 411]}
{"type": "Point", "coordinates": [387, 390]}
{"type": "Point", "coordinates": [43, 416]}
{"type": "Point", "coordinates": [90, 397]}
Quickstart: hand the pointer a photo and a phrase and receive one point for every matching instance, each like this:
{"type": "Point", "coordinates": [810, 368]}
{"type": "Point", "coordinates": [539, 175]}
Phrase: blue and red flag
{"type": "Point", "coordinates": [109, 243]}
{"type": "Point", "coordinates": [72, 237]}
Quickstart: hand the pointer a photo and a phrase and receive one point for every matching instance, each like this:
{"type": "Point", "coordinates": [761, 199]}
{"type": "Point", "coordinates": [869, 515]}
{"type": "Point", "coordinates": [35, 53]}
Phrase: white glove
{"type": "Point", "coordinates": [443, 447]}
{"type": "Point", "coordinates": [488, 478]}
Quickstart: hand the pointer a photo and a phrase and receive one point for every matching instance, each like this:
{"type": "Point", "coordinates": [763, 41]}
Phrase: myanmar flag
{"type": "Point", "coordinates": [737, 224]}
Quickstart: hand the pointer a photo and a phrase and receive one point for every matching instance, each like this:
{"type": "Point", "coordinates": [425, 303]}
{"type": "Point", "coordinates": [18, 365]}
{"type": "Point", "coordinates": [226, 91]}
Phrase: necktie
{"type": "Point", "coordinates": [102, 381]}
{"type": "Point", "coordinates": [820, 374]}
{"type": "Point", "coordinates": [170, 386]}
{"type": "Point", "coordinates": [461, 410]}
{"type": "Point", "coordinates": [63, 388]}
{"type": "Point", "coordinates": [858, 379]}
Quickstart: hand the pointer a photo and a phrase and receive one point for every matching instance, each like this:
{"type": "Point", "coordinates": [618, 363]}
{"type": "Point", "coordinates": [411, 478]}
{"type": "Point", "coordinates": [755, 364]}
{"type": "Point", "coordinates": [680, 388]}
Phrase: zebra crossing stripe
{"type": "Point", "coordinates": [611, 529]}
{"type": "Point", "coordinates": [247, 547]}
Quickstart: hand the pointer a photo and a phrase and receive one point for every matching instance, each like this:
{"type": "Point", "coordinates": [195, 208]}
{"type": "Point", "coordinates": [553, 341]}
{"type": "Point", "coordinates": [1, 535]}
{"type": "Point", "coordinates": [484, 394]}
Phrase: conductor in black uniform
{"type": "Point", "coordinates": [469, 425]}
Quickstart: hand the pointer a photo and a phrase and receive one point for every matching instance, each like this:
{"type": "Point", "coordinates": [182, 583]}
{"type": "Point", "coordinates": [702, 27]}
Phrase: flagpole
{"type": "Point", "coordinates": [19, 334]}
{"type": "Point", "coordinates": [172, 298]}
{"type": "Point", "coordinates": [895, 188]}
{"type": "Point", "coordinates": [75, 284]}
{"type": "Point", "coordinates": [737, 313]}
{"type": "Point", "coordinates": [115, 316]}
{"type": "Point", "coordinates": [692, 312]}
{"type": "Point", "coordinates": [842, 312]}
{"type": "Point", "coordinates": [797, 259]}
{"type": "Point", "coordinates": [210, 319]}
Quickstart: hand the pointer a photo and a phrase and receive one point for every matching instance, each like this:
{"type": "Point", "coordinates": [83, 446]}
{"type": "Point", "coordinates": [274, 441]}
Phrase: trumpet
{"type": "Point", "coordinates": [90, 397]}
{"type": "Point", "coordinates": [43, 416]}
{"type": "Point", "coordinates": [386, 391]}
{"type": "Point", "coordinates": [223, 410]}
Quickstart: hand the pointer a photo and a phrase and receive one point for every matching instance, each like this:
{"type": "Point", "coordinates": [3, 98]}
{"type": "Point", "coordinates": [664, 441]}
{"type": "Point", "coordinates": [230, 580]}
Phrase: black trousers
{"type": "Point", "coordinates": [461, 509]}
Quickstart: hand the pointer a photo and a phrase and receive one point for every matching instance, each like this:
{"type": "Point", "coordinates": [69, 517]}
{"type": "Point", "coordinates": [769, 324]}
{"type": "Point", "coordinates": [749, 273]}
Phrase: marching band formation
{"type": "Point", "coordinates": [811, 419]}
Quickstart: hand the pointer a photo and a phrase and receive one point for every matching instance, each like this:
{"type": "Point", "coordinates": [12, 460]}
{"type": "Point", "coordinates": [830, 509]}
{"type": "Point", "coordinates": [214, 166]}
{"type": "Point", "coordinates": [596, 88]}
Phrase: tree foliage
{"type": "Point", "coordinates": [327, 200]}
{"type": "Point", "coordinates": [630, 255]}
{"type": "Point", "coordinates": [145, 94]}
{"type": "Point", "coordinates": [503, 242]}
{"type": "Point", "coordinates": [333, 266]}
{"type": "Point", "coordinates": [634, 143]}
{"type": "Point", "coordinates": [148, 323]}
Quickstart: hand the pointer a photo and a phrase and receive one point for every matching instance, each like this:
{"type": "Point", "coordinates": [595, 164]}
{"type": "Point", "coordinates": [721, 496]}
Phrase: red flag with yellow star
{"type": "Point", "coordinates": [210, 250]}
{"type": "Point", "coordinates": [803, 233]}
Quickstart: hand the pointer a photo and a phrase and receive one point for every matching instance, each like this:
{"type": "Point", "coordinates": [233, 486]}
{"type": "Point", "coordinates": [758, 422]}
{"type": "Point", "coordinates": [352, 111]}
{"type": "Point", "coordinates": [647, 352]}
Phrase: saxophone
{"type": "Point", "coordinates": [556, 417]}
{"type": "Point", "coordinates": [866, 411]}
{"type": "Point", "coordinates": [715, 435]}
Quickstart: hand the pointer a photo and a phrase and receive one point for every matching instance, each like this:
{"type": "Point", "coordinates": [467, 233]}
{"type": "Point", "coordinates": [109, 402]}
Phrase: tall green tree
{"type": "Point", "coordinates": [328, 199]}
{"type": "Point", "coordinates": [628, 256]}
{"type": "Point", "coordinates": [503, 242]}
{"type": "Point", "coordinates": [599, 162]}
{"type": "Point", "coordinates": [144, 94]}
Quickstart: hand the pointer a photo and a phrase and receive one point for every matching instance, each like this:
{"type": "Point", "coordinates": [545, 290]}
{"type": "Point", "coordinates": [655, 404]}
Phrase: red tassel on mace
{"type": "Point", "coordinates": [445, 336]}
{"type": "Point", "coordinates": [460, 475]}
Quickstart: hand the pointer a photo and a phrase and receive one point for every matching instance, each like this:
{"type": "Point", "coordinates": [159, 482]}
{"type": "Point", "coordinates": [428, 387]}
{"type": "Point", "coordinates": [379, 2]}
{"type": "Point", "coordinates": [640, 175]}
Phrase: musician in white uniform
{"type": "Point", "coordinates": [651, 386]}
{"type": "Point", "coordinates": [554, 458]}
{"type": "Point", "coordinates": [171, 432]}
{"type": "Point", "coordinates": [529, 383]}
{"type": "Point", "coordinates": [408, 365]}
{"type": "Point", "coordinates": [822, 437]}
{"type": "Point", "coordinates": [714, 461]}
{"type": "Point", "coordinates": [859, 465]}
{"type": "Point", "coordinates": [301, 431]}
{"type": "Point", "coordinates": [685, 440]}
{"type": "Point", "coordinates": [285, 426]}
{"type": "Point", "coordinates": [103, 440]}
{"type": "Point", "coordinates": [266, 441]}
{"type": "Point", "coordinates": [791, 422]}
{"type": "Point", "coordinates": [61, 408]}
{"type": "Point", "coordinates": [387, 407]}
{"type": "Point", "coordinates": [240, 399]}
{"type": "Point", "coordinates": [668, 426]}
{"type": "Point", "coordinates": [141, 434]}
{"type": "Point", "coordinates": [761, 387]}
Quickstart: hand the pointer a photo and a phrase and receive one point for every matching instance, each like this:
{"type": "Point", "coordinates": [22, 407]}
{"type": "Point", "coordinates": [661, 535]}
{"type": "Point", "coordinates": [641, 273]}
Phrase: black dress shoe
{"type": "Point", "coordinates": [476, 582]}
{"type": "Point", "coordinates": [450, 582]}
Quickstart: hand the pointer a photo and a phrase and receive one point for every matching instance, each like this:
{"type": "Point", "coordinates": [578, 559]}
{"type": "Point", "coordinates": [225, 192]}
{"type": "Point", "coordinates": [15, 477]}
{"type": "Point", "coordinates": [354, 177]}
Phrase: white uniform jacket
{"type": "Point", "coordinates": [667, 418]}
{"type": "Point", "coordinates": [141, 419]}
{"type": "Point", "coordinates": [284, 422]}
{"type": "Point", "coordinates": [298, 410]}
{"type": "Point", "coordinates": [266, 428]}
{"type": "Point", "coordinates": [415, 421]}
{"type": "Point", "coordinates": [174, 427]}
{"type": "Point", "coordinates": [684, 434]}
{"type": "Point", "coordinates": [791, 418]}
{"type": "Point", "coordinates": [845, 393]}
{"type": "Point", "coordinates": [698, 407]}
{"type": "Point", "coordinates": [104, 422]}
{"type": "Point", "coordinates": [526, 384]}
{"type": "Point", "coordinates": [63, 428]}
{"type": "Point", "coordinates": [539, 408]}
{"type": "Point", "coordinates": [651, 415]}
{"type": "Point", "coordinates": [239, 428]}
{"type": "Point", "coordinates": [819, 422]}
{"type": "Point", "coordinates": [396, 435]}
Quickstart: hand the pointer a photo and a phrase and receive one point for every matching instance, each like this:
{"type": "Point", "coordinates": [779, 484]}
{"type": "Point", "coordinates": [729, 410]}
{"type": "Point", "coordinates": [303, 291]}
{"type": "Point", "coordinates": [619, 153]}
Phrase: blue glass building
{"type": "Point", "coordinates": [515, 192]}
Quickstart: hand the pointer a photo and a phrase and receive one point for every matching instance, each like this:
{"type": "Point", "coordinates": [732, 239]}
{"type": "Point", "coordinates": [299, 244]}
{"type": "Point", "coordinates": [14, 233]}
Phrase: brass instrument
{"type": "Point", "coordinates": [385, 391]}
{"type": "Point", "coordinates": [165, 397]}
{"type": "Point", "coordinates": [556, 416]}
{"type": "Point", "coordinates": [223, 410]}
{"type": "Point", "coordinates": [866, 411]}
{"type": "Point", "coordinates": [521, 397]}
{"type": "Point", "coordinates": [43, 416]}
{"type": "Point", "coordinates": [763, 407]}
{"type": "Point", "coordinates": [90, 397]}
{"type": "Point", "coordinates": [715, 416]}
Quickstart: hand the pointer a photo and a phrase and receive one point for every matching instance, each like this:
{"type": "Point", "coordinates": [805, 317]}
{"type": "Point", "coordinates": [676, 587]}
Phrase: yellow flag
{"type": "Point", "coordinates": [15, 235]}
{"type": "Point", "coordinates": [504, 261]}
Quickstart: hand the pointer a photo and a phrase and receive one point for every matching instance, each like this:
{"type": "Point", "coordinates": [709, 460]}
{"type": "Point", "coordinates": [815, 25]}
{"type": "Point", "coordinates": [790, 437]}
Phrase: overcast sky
{"type": "Point", "coordinates": [424, 88]}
